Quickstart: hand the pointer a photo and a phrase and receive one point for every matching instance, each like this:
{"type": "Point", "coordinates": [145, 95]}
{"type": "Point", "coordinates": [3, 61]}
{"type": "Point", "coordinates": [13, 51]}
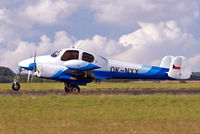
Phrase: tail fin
{"type": "Point", "coordinates": [166, 61]}
{"type": "Point", "coordinates": [179, 68]}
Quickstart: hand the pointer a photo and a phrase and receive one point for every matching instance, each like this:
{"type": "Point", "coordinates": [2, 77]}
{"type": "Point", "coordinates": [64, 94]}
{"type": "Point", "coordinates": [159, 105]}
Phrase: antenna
{"type": "Point", "coordinates": [78, 46]}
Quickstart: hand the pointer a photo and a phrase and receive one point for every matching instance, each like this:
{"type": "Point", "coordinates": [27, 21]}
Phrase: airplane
{"type": "Point", "coordinates": [76, 67]}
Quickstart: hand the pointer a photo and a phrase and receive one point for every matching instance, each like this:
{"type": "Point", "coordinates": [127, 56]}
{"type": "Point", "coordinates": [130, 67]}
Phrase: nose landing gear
{"type": "Point", "coordinates": [16, 85]}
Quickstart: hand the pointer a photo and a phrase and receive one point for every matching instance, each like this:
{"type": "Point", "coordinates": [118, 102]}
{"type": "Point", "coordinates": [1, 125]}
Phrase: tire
{"type": "Point", "coordinates": [75, 89]}
{"type": "Point", "coordinates": [16, 86]}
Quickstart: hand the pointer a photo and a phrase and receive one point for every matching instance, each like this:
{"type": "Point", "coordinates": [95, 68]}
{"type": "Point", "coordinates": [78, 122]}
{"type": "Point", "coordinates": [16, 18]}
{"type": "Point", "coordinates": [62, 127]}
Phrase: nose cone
{"type": "Point", "coordinates": [26, 63]}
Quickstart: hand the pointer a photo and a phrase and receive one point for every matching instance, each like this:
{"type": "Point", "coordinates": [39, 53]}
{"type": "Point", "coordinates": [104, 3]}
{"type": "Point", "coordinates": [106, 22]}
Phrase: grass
{"type": "Point", "coordinates": [104, 86]}
{"type": "Point", "coordinates": [100, 114]}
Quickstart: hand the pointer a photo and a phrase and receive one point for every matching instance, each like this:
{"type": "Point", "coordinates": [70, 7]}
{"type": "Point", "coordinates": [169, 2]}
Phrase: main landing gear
{"type": "Point", "coordinates": [16, 85]}
{"type": "Point", "coordinates": [72, 89]}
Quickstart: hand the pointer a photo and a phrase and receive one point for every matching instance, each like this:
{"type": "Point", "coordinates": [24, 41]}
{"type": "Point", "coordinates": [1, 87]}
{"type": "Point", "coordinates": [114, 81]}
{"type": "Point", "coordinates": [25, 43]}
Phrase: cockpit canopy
{"type": "Point", "coordinates": [74, 55]}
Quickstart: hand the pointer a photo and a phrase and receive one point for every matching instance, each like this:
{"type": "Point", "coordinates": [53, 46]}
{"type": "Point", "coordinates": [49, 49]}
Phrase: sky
{"type": "Point", "coordinates": [136, 31]}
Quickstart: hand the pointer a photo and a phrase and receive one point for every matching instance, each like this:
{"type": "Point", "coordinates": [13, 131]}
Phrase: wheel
{"type": "Point", "coordinates": [72, 89]}
{"type": "Point", "coordinates": [16, 86]}
{"type": "Point", "coordinates": [75, 89]}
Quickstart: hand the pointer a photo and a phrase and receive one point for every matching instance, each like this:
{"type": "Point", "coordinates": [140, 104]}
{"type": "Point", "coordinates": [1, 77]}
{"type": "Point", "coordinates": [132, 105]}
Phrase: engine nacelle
{"type": "Point", "coordinates": [49, 70]}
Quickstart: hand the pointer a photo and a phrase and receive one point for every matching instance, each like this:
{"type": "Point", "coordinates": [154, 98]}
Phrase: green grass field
{"type": "Point", "coordinates": [104, 86]}
{"type": "Point", "coordinates": [100, 114]}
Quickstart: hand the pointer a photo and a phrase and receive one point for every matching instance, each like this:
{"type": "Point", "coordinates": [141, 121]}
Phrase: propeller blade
{"type": "Point", "coordinates": [35, 57]}
{"type": "Point", "coordinates": [35, 67]}
{"type": "Point", "coordinates": [32, 76]}
{"type": "Point", "coordinates": [29, 76]}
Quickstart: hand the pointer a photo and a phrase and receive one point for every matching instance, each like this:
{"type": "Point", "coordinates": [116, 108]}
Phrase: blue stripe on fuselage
{"type": "Point", "coordinates": [153, 73]}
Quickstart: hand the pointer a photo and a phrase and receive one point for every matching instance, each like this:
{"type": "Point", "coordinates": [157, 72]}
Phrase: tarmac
{"type": "Point", "coordinates": [99, 92]}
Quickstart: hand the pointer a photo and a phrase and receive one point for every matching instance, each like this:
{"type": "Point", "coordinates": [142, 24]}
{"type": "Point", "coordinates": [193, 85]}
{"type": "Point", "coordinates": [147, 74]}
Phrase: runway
{"type": "Point", "coordinates": [99, 92]}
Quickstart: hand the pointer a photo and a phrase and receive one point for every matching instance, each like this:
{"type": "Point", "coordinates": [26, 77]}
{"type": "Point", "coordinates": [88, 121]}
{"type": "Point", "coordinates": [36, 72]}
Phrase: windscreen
{"type": "Point", "coordinates": [56, 53]}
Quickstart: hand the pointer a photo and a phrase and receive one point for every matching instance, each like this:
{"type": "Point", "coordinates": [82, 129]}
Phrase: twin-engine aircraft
{"type": "Point", "coordinates": [78, 67]}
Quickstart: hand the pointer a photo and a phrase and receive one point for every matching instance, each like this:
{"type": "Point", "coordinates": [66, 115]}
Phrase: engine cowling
{"type": "Point", "coordinates": [49, 70]}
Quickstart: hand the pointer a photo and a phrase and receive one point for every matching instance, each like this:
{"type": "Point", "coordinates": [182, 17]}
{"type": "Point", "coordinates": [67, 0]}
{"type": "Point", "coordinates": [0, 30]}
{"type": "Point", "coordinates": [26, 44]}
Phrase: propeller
{"type": "Point", "coordinates": [30, 73]}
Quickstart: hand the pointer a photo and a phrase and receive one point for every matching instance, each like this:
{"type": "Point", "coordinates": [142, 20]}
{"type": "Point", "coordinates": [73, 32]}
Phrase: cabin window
{"type": "Point", "coordinates": [87, 57]}
{"type": "Point", "coordinates": [56, 53]}
{"type": "Point", "coordinates": [70, 55]}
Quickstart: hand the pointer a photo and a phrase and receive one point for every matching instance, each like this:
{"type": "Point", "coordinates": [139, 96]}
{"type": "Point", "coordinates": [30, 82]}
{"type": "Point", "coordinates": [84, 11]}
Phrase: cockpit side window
{"type": "Point", "coordinates": [87, 57]}
{"type": "Point", "coordinates": [70, 55]}
{"type": "Point", "coordinates": [56, 53]}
